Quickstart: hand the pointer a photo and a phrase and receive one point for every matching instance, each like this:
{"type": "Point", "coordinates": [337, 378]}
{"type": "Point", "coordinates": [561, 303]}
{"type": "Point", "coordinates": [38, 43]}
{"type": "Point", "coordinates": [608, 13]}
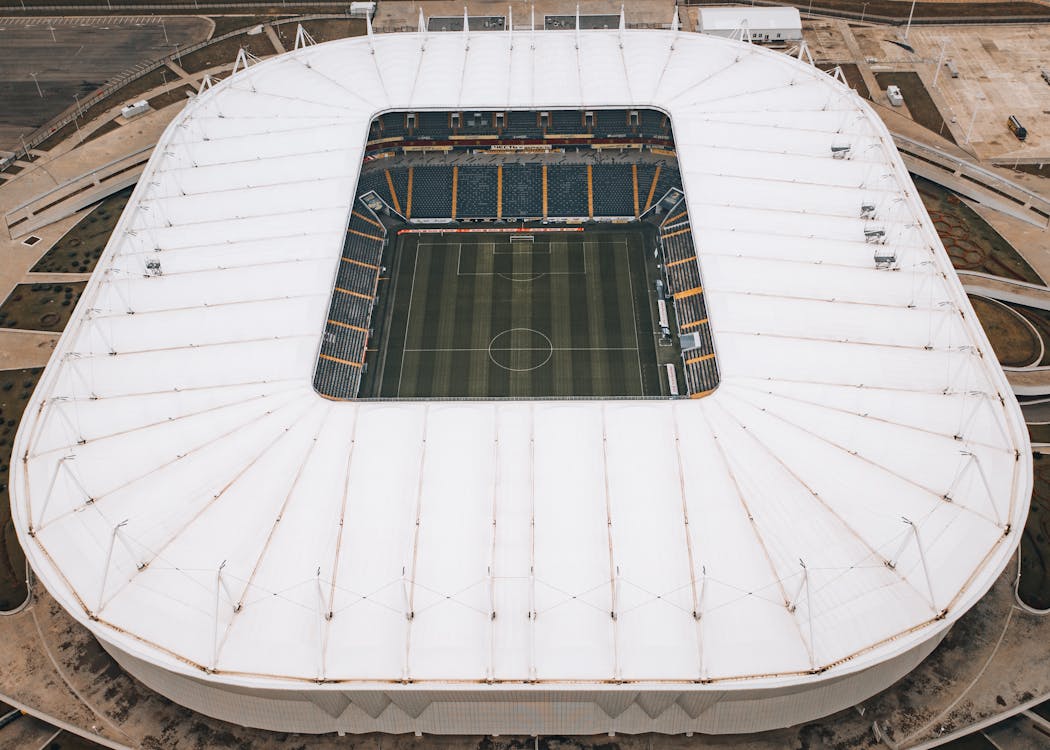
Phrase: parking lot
{"type": "Point", "coordinates": [73, 56]}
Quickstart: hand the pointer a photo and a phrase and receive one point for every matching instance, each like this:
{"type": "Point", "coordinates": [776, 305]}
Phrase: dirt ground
{"type": "Point", "coordinates": [1040, 320]}
{"type": "Point", "coordinates": [225, 52]}
{"type": "Point", "coordinates": [921, 105]}
{"type": "Point", "coordinates": [1014, 342]}
{"type": "Point", "coordinates": [999, 75]}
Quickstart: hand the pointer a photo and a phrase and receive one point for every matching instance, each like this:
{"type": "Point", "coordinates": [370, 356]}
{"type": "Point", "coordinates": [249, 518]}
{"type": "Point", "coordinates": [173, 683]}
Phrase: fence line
{"type": "Point", "coordinates": [197, 5]}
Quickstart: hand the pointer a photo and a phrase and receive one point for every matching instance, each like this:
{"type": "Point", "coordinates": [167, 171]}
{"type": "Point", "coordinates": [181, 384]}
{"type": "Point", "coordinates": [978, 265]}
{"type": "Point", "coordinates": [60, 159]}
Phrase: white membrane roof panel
{"type": "Point", "coordinates": [856, 482]}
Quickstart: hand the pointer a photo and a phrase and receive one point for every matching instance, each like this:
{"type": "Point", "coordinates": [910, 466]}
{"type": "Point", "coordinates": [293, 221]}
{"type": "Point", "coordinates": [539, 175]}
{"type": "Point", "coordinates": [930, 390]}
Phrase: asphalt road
{"type": "Point", "coordinates": [75, 55]}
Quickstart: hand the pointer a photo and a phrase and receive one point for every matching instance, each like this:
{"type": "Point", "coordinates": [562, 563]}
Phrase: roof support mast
{"type": "Point", "coordinates": [302, 37]}
{"type": "Point", "coordinates": [614, 569]}
{"type": "Point", "coordinates": [532, 542]}
{"type": "Point", "coordinates": [491, 671]}
{"type": "Point", "coordinates": [697, 596]}
{"type": "Point", "coordinates": [408, 588]}
{"type": "Point", "coordinates": [329, 611]}
{"type": "Point", "coordinates": [803, 587]}
{"type": "Point", "coordinates": [109, 559]}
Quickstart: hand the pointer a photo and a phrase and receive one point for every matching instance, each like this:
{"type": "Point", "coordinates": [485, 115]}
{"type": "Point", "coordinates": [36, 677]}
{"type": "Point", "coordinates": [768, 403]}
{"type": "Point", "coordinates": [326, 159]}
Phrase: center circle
{"type": "Point", "coordinates": [520, 349]}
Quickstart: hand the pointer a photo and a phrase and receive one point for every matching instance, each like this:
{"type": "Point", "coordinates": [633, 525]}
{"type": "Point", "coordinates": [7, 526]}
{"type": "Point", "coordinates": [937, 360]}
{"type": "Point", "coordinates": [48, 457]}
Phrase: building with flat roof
{"type": "Point", "coordinates": [778, 24]}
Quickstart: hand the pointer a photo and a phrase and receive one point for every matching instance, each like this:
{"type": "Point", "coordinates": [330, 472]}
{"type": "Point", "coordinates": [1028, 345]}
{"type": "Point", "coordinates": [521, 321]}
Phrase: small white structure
{"type": "Point", "coordinates": [763, 24]}
{"type": "Point", "coordinates": [893, 93]}
{"type": "Point", "coordinates": [129, 111]}
{"type": "Point", "coordinates": [363, 9]}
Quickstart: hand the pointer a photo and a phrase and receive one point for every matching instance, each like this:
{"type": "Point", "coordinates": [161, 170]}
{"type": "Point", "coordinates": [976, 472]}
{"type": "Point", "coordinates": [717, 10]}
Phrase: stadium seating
{"type": "Point", "coordinates": [341, 359]}
{"type": "Point", "coordinates": [566, 121]}
{"type": "Point", "coordinates": [476, 123]}
{"type": "Point", "coordinates": [428, 195]}
{"type": "Point", "coordinates": [476, 192]}
{"type": "Point", "coordinates": [432, 192]}
{"type": "Point", "coordinates": [523, 125]}
{"type": "Point", "coordinates": [432, 125]}
{"type": "Point", "coordinates": [609, 122]}
{"type": "Point", "coordinates": [392, 124]}
{"type": "Point", "coordinates": [567, 190]}
{"type": "Point", "coordinates": [522, 191]}
{"type": "Point", "coordinates": [684, 283]}
{"type": "Point", "coordinates": [613, 190]}
{"type": "Point", "coordinates": [604, 123]}
{"type": "Point", "coordinates": [653, 123]}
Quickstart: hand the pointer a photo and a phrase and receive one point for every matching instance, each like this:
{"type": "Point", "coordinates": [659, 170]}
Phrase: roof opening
{"type": "Point", "coordinates": [520, 255]}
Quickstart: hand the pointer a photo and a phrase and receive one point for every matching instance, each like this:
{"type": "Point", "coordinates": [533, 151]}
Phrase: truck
{"type": "Point", "coordinates": [1017, 128]}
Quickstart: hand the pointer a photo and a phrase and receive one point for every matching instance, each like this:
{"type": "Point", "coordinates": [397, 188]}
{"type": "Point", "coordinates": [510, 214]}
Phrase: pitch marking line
{"type": "Point", "coordinates": [634, 316]}
{"type": "Point", "coordinates": [408, 319]}
{"type": "Point", "coordinates": [530, 349]}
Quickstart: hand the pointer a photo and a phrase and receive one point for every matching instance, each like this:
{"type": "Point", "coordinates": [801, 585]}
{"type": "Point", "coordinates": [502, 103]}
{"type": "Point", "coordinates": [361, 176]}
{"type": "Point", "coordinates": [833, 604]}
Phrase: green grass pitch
{"type": "Point", "coordinates": [484, 316]}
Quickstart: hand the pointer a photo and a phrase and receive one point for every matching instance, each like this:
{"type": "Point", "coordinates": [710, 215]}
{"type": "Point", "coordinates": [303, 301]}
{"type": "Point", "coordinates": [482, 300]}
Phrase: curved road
{"type": "Point", "coordinates": [1028, 381]}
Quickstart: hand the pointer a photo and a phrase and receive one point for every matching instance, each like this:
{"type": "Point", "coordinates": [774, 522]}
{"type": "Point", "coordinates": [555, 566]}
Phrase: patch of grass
{"type": "Point", "coordinates": [79, 250]}
{"type": "Point", "coordinates": [175, 96]}
{"type": "Point", "coordinates": [40, 307]}
{"type": "Point", "coordinates": [851, 72]}
{"type": "Point", "coordinates": [1034, 588]}
{"type": "Point", "coordinates": [327, 29]}
{"type": "Point", "coordinates": [1014, 342]}
{"type": "Point", "coordinates": [16, 386]}
{"type": "Point", "coordinates": [481, 317]}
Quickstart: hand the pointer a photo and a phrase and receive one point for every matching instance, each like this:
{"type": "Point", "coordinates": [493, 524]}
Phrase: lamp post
{"type": "Point", "coordinates": [973, 119]}
{"type": "Point", "coordinates": [863, 10]}
{"type": "Point", "coordinates": [940, 61]}
{"type": "Point", "coordinates": [38, 89]}
{"type": "Point", "coordinates": [907, 28]}
{"type": "Point", "coordinates": [76, 118]}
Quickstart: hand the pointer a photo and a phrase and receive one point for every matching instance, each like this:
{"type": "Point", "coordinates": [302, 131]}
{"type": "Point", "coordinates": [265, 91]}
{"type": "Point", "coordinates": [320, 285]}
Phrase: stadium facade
{"type": "Point", "coordinates": [781, 549]}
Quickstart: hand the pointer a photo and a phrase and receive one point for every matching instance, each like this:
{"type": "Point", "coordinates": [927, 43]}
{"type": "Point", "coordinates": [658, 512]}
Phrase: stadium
{"type": "Point", "coordinates": [522, 382]}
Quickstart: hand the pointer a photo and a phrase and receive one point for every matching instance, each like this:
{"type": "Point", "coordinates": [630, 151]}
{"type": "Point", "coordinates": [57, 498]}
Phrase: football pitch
{"type": "Point", "coordinates": [505, 316]}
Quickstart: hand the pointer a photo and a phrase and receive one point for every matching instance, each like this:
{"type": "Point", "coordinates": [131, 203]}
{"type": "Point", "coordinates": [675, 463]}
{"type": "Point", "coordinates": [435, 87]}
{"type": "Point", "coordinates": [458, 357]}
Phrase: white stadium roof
{"type": "Point", "coordinates": [844, 495]}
